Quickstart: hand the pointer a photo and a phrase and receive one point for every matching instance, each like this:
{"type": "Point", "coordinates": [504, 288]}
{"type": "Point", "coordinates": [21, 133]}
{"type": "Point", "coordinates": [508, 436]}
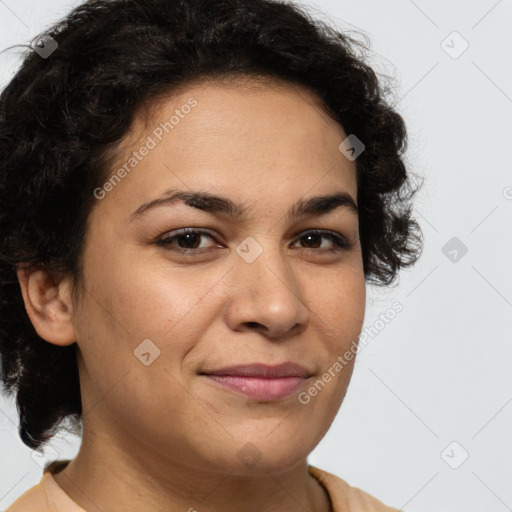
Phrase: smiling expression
{"type": "Point", "coordinates": [233, 241]}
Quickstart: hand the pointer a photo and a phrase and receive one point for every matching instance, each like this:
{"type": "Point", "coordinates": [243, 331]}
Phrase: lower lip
{"type": "Point", "coordinates": [260, 388]}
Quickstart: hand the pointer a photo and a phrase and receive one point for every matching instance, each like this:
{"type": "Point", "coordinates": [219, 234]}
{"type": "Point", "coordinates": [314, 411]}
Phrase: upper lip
{"type": "Point", "coordinates": [265, 371]}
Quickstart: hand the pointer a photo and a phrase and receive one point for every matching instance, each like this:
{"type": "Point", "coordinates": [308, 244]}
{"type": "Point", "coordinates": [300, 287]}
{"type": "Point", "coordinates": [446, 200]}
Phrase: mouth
{"type": "Point", "coordinates": [259, 381]}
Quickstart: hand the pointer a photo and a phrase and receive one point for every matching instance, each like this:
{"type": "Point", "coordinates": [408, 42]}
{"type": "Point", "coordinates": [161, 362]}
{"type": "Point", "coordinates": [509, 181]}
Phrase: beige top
{"type": "Point", "coordinates": [48, 496]}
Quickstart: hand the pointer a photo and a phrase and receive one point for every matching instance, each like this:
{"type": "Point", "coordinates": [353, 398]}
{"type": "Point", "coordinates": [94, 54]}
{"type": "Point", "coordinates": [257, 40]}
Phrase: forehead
{"type": "Point", "coordinates": [245, 138]}
{"type": "Point", "coordinates": [242, 109]}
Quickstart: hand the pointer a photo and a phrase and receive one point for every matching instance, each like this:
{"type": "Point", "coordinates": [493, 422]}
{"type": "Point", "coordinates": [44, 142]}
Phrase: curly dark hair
{"type": "Point", "coordinates": [63, 113]}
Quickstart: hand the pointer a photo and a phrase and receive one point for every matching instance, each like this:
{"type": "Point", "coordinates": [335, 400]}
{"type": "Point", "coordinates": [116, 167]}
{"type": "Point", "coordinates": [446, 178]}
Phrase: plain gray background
{"type": "Point", "coordinates": [427, 418]}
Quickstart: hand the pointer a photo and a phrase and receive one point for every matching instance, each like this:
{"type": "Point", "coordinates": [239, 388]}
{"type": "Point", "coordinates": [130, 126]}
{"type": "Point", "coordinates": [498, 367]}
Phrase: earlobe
{"type": "Point", "coordinates": [48, 304]}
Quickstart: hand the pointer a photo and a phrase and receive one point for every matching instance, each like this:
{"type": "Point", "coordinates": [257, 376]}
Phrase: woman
{"type": "Point", "coordinates": [194, 195]}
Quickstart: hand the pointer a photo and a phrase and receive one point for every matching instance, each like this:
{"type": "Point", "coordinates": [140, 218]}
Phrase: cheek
{"type": "Point", "coordinates": [118, 314]}
{"type": "Point", "coordinates": [147, 300]}
{"type": "Point", "coordinates": [339, 303]}
{"type": "Point", "coordinates": [169, 303]}
{"type": "Point", "coordinates": [338, 307]}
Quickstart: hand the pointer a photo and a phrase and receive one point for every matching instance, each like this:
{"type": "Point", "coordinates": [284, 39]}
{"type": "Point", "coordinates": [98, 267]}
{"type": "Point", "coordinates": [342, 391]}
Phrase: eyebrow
{"type": "Point", "coordinates": [205, 201]}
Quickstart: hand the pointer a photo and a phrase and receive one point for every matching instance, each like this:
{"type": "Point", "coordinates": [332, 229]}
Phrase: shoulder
{"type": "Point", "coordinates": [46, 496]}
{"type": "Point", "coordinates": [345, 497]}
{"type": "Point", "coordinates": [33, 499]}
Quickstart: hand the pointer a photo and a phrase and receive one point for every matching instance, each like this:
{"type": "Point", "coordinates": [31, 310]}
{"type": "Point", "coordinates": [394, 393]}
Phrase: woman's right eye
{"type": "Point", "coordinates": [187, 240]}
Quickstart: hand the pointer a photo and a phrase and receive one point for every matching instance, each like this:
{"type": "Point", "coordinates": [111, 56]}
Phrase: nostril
{"type": "Point", "coordinates": [257, 327]}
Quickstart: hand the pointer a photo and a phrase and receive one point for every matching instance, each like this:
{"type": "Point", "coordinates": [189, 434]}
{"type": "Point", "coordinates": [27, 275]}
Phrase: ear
{"type": "Point", "coordinates": [47, 298]}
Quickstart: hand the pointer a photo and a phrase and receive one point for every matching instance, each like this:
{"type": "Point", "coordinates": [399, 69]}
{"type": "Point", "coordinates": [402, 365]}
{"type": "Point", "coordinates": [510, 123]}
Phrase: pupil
{"type": "Point", "coordinates": [188, 237]}
{"type": "Point", "coordinates": [312, 236]}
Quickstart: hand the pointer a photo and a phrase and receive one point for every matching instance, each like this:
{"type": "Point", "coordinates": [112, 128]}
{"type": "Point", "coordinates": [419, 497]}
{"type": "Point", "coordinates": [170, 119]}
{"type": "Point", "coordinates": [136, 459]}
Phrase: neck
{"type": "Point", "coordinates": [105, 477]}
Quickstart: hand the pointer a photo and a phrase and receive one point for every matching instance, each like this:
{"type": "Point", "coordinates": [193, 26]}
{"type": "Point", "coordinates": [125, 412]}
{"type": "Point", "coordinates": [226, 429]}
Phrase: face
{"type": "Point", "coordinates": [163, 308]}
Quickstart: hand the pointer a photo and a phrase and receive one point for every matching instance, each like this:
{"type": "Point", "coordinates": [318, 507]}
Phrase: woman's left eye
{"type": "Point", "coordinates": [189, 241]}
{"type": "Point", "coordinates": [339, 242]}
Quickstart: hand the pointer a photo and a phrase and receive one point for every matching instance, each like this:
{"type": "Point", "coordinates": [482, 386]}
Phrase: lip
{"type": "Point", "coordinates": [260, 381]}
{"type": "Point", "coordinates": [264, 371]}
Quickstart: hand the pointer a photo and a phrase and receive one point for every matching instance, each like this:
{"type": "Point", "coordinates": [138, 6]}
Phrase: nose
{"type": "Point", "coordinates": [266, 296]}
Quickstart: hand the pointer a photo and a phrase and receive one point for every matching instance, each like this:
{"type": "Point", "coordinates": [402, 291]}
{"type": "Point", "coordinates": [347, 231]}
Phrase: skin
{"type": "Point", "coordinates": [161, 437]}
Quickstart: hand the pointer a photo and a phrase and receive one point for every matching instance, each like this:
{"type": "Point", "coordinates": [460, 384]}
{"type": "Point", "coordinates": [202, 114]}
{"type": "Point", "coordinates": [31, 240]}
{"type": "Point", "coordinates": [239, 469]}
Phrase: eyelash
{"type": "Point", "coordinates": [339, 241]}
